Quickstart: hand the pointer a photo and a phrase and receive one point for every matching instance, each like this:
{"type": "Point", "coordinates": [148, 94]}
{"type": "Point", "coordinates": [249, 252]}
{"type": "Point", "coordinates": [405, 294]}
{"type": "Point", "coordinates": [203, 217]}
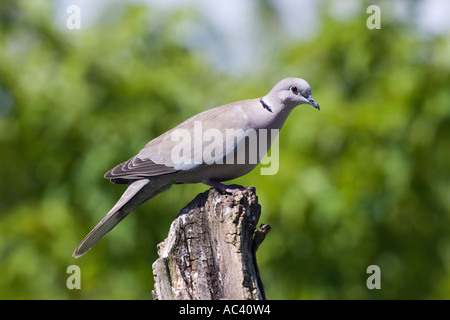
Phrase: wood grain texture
{"type": "Point", "coordinates": [210, 250]}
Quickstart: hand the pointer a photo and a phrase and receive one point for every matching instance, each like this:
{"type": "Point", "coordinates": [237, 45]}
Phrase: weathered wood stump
{"type": "Point", "coordinates": [210, 250]}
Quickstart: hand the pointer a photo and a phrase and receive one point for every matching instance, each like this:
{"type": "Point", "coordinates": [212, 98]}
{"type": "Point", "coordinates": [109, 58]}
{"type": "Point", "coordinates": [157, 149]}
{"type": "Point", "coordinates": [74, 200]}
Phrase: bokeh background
{"type": "Point", "coordinates": [365, 181]}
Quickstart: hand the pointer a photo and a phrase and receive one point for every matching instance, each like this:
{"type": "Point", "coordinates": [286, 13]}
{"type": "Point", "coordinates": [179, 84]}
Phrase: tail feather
{"type": "Point", "coordinates": [137, 193]}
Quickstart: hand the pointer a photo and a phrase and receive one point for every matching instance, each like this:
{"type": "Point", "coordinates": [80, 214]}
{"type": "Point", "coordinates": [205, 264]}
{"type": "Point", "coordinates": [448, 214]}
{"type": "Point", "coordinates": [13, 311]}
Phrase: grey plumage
{"type": "Point", "coordinates": [155, 169]}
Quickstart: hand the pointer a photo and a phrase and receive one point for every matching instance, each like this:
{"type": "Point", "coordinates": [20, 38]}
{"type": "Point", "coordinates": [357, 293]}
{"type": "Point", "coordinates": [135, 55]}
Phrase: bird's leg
{"type": "Point", "coordinates": [223, 187]}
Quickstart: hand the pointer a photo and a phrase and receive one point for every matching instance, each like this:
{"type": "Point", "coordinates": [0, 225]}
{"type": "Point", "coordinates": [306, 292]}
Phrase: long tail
{"type": "Point", "coordinates": [137, 193]}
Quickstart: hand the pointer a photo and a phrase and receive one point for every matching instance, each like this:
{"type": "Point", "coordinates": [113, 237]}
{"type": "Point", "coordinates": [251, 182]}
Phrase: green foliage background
{"type": "Point", "coordinates": [365, 181]}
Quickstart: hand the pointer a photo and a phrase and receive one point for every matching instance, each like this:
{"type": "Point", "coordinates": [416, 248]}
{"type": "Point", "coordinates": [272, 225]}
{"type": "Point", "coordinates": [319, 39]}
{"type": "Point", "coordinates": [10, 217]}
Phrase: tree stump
{"type": "Point", "coordinates": [210, 252]}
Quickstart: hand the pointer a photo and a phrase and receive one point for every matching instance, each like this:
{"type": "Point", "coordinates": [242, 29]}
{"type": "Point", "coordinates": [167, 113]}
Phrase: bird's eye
{"type": "Point", "coordinates": [294, 89]}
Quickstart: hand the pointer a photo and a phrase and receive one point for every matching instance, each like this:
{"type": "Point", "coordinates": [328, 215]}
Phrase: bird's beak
{"type": "Point", "coordinates": [313, 103]}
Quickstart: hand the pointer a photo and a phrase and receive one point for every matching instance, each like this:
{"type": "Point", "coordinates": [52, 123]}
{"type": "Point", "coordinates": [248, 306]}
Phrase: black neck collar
{"type": "Point", "coordinates": [265, 105]}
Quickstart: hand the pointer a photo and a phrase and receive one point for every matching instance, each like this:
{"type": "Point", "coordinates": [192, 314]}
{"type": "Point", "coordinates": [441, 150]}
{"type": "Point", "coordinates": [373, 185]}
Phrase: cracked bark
{"type": "Point", "coordinates": [210, 252]}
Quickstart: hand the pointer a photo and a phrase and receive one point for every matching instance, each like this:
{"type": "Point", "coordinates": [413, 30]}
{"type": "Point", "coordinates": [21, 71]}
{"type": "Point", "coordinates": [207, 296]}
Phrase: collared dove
{"type": "Point", "coordinates": [159, 165]}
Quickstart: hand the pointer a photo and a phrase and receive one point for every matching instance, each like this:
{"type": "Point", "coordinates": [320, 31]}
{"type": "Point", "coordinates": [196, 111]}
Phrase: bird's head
{"type": "Point", "coordinates": [289, 93]}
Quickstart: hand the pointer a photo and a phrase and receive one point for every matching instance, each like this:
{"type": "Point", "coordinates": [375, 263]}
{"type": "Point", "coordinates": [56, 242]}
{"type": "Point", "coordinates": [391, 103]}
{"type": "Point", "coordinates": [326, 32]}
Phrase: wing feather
{"type": "Point", "coordinates": [156, 157]}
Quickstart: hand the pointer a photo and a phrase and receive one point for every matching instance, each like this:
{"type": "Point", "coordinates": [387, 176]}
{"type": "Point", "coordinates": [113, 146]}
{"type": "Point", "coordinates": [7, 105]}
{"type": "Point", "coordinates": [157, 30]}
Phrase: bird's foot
{"type": "Point", "coordinates": [223, 187]}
